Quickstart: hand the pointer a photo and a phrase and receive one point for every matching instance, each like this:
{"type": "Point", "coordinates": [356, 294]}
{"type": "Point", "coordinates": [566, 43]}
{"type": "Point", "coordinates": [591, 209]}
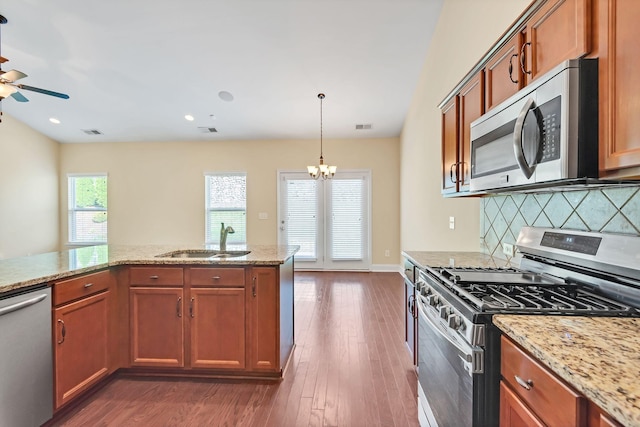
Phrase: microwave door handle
{"type": "Point", "coordinates": [518, 149]}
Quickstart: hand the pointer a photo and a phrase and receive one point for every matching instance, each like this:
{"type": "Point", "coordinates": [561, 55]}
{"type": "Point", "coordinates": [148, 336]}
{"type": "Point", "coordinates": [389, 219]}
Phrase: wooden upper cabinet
{"type": "Point", "coordinates": [471, 108]}
{"type": "Point", "coordinates": [619, 30]}
{"type": "Point", "coordinates": [450, 129]}
{"type": "Point", "coordinates": [559, 30]}
{"type": "Point", "coordinates": [503, 74]}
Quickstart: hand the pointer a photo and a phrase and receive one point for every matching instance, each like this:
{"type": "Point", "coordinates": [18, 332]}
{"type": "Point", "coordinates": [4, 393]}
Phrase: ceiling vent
{"type": "Point", "coordinates": [92, 131]}
{"type": "Point", "coordinates": [363, 127]}
{"type": "Point", "coordinates": [208, 130]}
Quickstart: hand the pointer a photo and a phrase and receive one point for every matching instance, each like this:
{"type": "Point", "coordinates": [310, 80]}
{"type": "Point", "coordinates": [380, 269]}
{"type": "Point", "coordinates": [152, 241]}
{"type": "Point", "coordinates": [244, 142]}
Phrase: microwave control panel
{"type": "Point", "coordinates": [550, 130]}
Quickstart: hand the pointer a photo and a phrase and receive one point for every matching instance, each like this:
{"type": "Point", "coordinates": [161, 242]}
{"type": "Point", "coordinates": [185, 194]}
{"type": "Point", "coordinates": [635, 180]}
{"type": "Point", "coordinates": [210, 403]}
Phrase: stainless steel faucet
{"type": "Point", "coordinates": [223, 236]}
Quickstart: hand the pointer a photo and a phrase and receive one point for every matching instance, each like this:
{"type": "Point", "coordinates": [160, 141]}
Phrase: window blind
{"type": "Point", "coordinates": [87, 206]}
{"type": "Point", "coordinates": [301, 210]}
{"type": "Point", "coordinates": [346, 229]}
{"type": "Point", "coordinates": [226, 202]}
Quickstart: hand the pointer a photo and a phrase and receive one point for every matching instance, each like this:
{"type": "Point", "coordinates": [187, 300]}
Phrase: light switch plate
{"type": "Point", "coordinates": [263, 215]}
{"type": "Point", "coordinates": [508, 249]}
{"type": "Point", "coordinates": [452, 223]}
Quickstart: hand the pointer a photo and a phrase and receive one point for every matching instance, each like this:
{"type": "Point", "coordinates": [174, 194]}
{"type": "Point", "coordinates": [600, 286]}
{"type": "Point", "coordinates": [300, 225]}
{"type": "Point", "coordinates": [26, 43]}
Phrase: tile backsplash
{"type": "Point", "coordinates": [607, 210]}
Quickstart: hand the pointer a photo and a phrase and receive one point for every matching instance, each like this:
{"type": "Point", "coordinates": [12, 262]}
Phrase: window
{"type": "Point", "coordinates": [87, 209]}
{"type": "Point", "coordinates": [226, 202]}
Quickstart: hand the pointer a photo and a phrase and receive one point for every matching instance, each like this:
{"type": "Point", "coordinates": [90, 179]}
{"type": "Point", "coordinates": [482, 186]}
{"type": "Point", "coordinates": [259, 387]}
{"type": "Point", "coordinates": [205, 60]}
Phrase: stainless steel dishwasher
{"type": "Point", "coordinates": [26, 361]}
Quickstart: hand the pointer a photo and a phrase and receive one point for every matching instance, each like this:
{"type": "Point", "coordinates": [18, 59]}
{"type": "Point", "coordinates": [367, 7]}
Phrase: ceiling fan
{"type": "Point", "coordinates": [8, 87]}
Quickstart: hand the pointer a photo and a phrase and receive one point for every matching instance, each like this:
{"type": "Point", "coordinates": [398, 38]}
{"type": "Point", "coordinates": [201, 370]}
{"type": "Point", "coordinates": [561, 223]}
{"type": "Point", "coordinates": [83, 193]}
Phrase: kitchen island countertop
{"type": "Point", "coordinates": [16, 273]}
{"type": "Point", "coordinates": [598, 356]}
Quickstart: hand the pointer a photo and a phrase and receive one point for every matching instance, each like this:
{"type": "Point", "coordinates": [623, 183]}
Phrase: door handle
{"type": "Point", "coordinates": [526, 168]}
{"type": "Point", "coordinates": [253, 286]}
{"type": "Point", "coordinates": [515, 55]}
{"type": "Point", "coordinates": [522, 58]}
{"type": "Point", "coordinates": [63, 333]}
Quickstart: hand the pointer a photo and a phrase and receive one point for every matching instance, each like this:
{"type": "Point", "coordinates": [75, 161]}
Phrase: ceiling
{"type": "Point", "coordinates": [134, 68]}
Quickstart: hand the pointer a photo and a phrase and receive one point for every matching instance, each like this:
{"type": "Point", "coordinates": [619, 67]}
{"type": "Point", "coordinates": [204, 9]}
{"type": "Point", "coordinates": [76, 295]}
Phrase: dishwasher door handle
{"type": "Point", "coordinates": [22, 304]}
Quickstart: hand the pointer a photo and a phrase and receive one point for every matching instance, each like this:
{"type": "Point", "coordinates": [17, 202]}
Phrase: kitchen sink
{"type": "Point", "coordinates": [203, 253]}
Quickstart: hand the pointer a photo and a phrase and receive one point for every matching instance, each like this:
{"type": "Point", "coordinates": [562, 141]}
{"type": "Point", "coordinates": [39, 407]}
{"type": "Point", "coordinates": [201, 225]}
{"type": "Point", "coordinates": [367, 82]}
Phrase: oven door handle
{"type": "Point", "coordinates": [466, 356]}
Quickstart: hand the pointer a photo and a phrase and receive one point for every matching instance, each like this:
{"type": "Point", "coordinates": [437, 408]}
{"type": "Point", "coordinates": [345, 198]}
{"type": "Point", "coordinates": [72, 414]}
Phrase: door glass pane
{"type": "Point", "coordinates": [301, 216]}
{"type": "Point", "coordinates": [346, 219]}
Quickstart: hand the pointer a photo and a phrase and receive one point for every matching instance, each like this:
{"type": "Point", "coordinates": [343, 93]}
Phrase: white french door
{"type": "Point", "coordinates": [329, 219]}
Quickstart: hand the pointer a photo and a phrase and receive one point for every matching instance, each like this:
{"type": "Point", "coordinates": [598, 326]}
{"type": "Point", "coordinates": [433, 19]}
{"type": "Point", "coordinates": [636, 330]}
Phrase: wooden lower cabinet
{"type": "Point", "coordinates": [217, 323]}
{"type": "Point", "coordinates": [514, 412]}
{"type": "Point", "coordinates": [157, 327]}
{"type": "Point", "coordinates": [81, 346]}
{"type": "Point", "coordinates": [263, 303]}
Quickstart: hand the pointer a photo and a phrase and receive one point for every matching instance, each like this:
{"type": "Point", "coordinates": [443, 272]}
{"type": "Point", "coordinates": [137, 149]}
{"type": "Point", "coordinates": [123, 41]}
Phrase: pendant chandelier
{"type": "Point", "coordinates": [322, 170]}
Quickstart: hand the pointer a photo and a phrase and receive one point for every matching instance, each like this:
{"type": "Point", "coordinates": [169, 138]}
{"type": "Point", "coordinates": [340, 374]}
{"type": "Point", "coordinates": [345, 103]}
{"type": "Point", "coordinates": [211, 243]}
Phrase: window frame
{"type": "Point", "coordinates": [71, 209]}
{"type": "Point", "coordinates": [208, 228]}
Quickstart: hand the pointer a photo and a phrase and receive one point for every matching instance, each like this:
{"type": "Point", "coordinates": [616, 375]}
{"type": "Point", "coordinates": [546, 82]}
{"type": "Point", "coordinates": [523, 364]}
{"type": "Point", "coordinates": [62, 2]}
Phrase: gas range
{"type": "Point", "coordinates": [560, 273]}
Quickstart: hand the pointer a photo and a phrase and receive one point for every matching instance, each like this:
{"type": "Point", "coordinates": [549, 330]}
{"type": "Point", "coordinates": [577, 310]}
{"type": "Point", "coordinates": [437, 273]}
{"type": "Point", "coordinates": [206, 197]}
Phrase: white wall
{"type": "Point", "coordinates": [465, 31]}
{"type": "Point", "coordinates": [156, 190]}
{"type": "Point", "coordinates": [28, 190]}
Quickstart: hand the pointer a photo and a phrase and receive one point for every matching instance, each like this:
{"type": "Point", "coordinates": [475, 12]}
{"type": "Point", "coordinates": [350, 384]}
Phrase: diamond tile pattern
{"type": "Point", "coordinates": [610, 210]}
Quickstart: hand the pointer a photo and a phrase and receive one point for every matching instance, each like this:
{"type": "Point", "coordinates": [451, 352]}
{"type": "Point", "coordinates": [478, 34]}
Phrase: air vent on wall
{"type": "Point", "coordinates": [92, 131]}
{"type": "Point", "coordinates": [363, 126]}
{"type": "Point", "coordinates": [207, 130]}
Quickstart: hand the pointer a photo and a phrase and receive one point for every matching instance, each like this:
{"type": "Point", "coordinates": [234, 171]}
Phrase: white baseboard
{"type": "Point", "coordinates": [392, 268]}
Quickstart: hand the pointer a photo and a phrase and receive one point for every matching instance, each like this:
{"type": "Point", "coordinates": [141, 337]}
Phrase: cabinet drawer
{"type": "Point", "coordinates": [233, 277]}
{"type": "Point", "coordinates": [554, 402]}
{"type": "Point", "coordinates": [155, 276]}
{"type": "Point", "coordinates": [78, 287]}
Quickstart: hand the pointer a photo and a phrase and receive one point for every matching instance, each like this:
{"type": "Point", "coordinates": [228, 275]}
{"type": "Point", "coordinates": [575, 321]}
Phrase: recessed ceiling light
{"type": "Point", "coordinates": [225, 96]}
{"type": "Point", "coordinates": [54, 121]}
{"type": "Point", "coordinates": [189, 117]}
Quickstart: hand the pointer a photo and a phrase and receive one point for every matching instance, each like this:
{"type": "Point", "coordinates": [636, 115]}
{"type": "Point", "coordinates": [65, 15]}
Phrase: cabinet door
{"type": "Point", "coordinates": [81, 347]}
{"type": "Point", "coordinates": [619, 85]}
{"type": "Point", "coordinates": [471, 108]}
{"type": "Point", "coordinates": [217, 328]}
{"type": "Point", "coordinates": [157, 336]}
{"type": "Point", "coordinates": [265, 309]}
{"type": "Point", "coordinates": [513, 412]}
{"type": "Point", "coordinates": [450, 128]}
{"type": "Point", "coordinates": [560, 30]}
{"type": "Point", "coordinates": [503, 74]}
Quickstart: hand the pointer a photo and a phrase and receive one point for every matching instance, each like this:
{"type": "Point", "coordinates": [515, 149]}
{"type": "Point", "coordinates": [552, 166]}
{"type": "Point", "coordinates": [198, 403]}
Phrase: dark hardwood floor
{"type": "Point", "coordinates": [350, 367]}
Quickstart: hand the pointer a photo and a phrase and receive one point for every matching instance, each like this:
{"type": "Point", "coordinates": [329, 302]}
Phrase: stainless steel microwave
{"type": "Point", "coordinates": [545, 134]}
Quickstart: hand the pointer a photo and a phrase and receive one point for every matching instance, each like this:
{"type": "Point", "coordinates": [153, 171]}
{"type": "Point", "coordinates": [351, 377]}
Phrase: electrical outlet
{"type": "Point", "coordinates": [387, 253]}
{"type": "Point", "coordinates": [452, 223]}
{"type": "Point", "coordinates": [508, 249]}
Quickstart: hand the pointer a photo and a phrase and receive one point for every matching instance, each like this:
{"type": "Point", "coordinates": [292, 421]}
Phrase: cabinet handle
{"type": "Point", "coordinates": [216, 278]}
{"type": "Point", "coordinates": [154, 277]}
{"type": "Point", "coordinates": [522, 58]}
{"type": "Point", "coordinates": [253, 286]}
{"type": "Point", "coordinates": [178, 307]}
{"type": "Point", "coordinates": [528, 384]}
{"type": "Point", "coordinates": [64, 331]}
{"type": "Point", "coordinates": [411, 305]}
{"type": "Point", "coordinates": [451, 172]}
{"type": "Point", "coordinates": [191, 307]}
{"type": "Point", "coordinates": [515, 55]}
{"type": "Point", "coordinates": [88, 285]}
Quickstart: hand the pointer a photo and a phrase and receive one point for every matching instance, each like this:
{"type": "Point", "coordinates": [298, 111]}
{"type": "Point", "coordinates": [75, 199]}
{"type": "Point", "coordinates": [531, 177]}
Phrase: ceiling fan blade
{"type": "Point", "coordinates": [44, 91]}
{"type": "Point", "coordinates": [13, 75]}
{"type": "Point", "coordinates": [3, 59]}
{"type": "Point", "coordinates": [19, 97]}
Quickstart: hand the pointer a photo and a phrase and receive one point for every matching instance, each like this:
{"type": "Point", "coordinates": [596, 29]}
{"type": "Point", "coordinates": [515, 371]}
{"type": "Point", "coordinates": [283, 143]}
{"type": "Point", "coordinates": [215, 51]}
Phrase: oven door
{"type": "Point", "coordinates": [449, 374]}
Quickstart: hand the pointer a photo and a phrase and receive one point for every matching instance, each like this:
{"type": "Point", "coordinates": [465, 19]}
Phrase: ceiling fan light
{"type": "Point", "coordinates": [6, 90]}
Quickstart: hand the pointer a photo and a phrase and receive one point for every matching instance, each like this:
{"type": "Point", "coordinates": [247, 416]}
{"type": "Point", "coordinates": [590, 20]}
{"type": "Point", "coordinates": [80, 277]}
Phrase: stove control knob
{"type": "Point", "coordinates": [433, 300]}
{"type": "Point", "coordinates": [444, 312]}
{"type": "Point", "coordinates": [454, 321]}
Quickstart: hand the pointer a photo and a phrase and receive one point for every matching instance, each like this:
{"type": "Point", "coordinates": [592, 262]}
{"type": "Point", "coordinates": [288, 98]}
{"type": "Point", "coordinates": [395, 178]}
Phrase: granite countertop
{"type": "Point", "coordinates": [26, 271]}
{"type": "Point", "coordinates": [458, 259]}
{"type": "Point", "coordinates": [598, 356]}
